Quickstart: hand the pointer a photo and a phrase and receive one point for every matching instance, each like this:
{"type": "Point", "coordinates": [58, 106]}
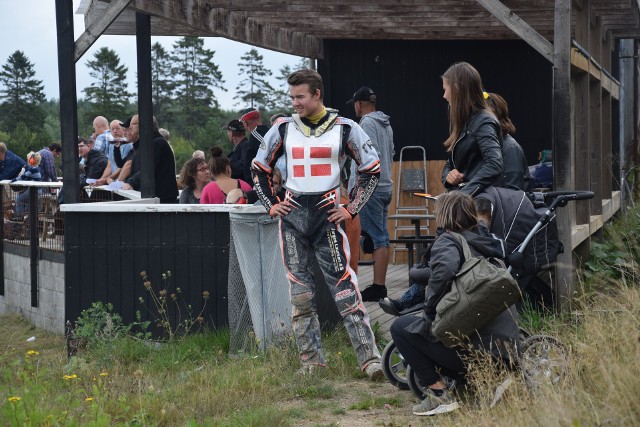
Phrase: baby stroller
{"type": "Point", "coordinates": [543, 358]}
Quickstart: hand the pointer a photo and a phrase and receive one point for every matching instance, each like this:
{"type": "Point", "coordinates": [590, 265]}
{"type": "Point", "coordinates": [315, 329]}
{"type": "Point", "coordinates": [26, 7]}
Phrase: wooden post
{"type": "Point", "coordinates": [595, 117]}
{"type": "Point", "coordinates": [563, 159]}
{"type": "Point", "coordinates": [145, 108]}
{"type": "Point", "coordinates": [68, 101]}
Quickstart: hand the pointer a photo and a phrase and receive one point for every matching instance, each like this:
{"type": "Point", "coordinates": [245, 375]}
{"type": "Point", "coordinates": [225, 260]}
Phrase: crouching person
{"type": "Point", "coordinates": [428, 357]}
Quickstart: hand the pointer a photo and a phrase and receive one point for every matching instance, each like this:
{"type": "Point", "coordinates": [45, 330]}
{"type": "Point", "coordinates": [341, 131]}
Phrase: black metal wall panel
{"type": "Point", "coordinates": [406, 78]}
{"type": "Point", "coordinates": [105, 253]}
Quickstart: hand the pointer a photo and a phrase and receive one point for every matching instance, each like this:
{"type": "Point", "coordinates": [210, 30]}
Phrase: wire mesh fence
{"type": "Point", "coordinates": [258, 290]}
{"type": "Point", "coordinates": [31, 214]}
{"type": "Point", "coordinates": [32, 205]}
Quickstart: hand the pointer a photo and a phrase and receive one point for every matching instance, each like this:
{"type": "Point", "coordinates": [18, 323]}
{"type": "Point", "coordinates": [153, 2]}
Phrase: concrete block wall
{"type": "Point", "coordinates": [49, 314]}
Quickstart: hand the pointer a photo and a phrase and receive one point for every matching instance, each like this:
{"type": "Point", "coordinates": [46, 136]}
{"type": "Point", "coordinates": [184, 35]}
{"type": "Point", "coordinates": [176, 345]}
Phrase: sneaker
{"type": "Point", "coordinates": [374, 371]}
{"type": "Point", "coordinates": [390, 306]}
{"type": "Point", "coordinates": [374, 293]}
{"type": "Point", "coordinates": [433, 404]}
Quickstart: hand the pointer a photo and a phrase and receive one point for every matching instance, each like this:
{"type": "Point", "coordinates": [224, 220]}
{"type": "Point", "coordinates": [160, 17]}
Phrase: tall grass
{"type": "Point", "coordinates": [194, 381]}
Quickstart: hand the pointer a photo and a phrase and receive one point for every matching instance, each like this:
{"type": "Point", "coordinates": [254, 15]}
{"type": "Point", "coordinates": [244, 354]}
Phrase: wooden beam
{"type": "Point", "coordinates": [68, 101]}
{"type": "Point", "coordinates": [563, 154]}
{"type": "Point", "coordinates": [520, 27]}
{"type": "Point", "coordinates": [232, 25]}
{"type": "Point", "coordinates": [96, 28]}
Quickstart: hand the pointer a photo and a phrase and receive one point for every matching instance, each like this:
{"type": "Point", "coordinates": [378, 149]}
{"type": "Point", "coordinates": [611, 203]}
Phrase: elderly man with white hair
{"type": "Point", "coordinates": [101, 135]}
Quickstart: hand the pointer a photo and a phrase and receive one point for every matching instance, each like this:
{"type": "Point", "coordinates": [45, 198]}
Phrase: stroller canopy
{"type": "Point", "coordinates": [513, 217]}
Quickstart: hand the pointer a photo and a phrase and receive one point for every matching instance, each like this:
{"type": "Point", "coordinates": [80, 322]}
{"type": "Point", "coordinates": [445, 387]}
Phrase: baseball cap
{"type": "Point", "coordinates": [126, 123]}
{"type": "Point", "coordinates": [234, 126]}
{"type": "Point", "coordinates": [363, 94]}
{"type": "Point", "coordinates": [249, 114]}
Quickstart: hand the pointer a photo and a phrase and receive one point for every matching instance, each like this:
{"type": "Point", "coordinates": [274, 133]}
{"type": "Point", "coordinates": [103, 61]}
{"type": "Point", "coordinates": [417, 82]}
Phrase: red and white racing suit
{"type": "Point", "coordinates": [314, 155]}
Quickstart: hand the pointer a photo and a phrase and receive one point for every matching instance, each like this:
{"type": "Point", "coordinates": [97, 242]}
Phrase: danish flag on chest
{"type": "Point", "coordinates": [311, 161]}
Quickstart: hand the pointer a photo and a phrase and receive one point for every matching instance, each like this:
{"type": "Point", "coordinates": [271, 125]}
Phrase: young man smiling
{"type": "Point", "coordinates": [315, 141]}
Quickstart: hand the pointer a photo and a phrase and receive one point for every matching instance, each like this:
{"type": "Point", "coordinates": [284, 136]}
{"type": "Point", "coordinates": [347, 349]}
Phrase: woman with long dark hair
{"type": "Point", "coordinates": [474, 144]}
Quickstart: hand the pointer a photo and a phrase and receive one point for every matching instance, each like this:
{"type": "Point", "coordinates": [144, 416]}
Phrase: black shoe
{"type": "Point", "coordinates": [390, 306]}
{"type": "Point", "coordinates": [374, 293]}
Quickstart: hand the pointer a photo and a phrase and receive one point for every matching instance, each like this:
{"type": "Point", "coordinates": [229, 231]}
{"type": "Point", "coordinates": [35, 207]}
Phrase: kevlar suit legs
{"type": "Point", "coordinates": [306, 233]}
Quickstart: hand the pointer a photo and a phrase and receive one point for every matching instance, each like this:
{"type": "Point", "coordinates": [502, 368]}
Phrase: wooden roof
{"type": "Point", "coordinates": [299, 26]}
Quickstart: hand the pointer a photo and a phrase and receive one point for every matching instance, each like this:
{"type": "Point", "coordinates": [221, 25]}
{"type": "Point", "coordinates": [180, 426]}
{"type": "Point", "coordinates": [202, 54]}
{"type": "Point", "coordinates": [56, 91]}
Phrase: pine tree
{"type": "Point", "coordinates": [254, 90]}
{"type": "Point", "coordinates": [107, 95]}
{"type": "Point", "coordinates": [21, 94]}
{"type": "Point", "coordinates": [195, 76]}
{"type": "Point", "coordinates": [162, 83]}
{"type": "Point", "coordinates": [281, 94]}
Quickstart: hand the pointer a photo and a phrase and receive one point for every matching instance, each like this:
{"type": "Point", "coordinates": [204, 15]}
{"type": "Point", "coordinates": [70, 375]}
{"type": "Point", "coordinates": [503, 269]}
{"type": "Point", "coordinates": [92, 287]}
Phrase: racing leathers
{"type": "Point", "coordinates": [314, 155]}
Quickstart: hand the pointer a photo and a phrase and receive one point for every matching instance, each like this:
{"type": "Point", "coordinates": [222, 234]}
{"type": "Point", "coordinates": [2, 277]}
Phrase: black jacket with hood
{"type": "Point", "coordinates": [477, 153]}
{"type": "Point", "coordinates": [498, 337]}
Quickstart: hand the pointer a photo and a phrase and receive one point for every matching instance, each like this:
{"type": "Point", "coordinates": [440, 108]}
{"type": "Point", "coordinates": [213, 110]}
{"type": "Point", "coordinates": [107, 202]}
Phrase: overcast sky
{"type": "Point", "coordinates": [30, 26]}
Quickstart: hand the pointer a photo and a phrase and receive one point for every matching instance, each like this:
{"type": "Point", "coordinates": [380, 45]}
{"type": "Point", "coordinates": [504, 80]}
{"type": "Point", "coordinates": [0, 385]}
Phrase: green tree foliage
{"type": "Point", "coordinates": [195, 77]}
{"type": "Point", "coordinates": [20, 94]}
{"type": "Point", "coordinates": [52, 119]}
{"type": "Point", "coordinates": [282, 101]}
{"type": "Point", "coordinates": [254, 90]}
{"type": "Point", "coordinates": [107, 96]}
{"type": "Point", "coordinates": [22, 140]}
{"type": "Point", "coordinates": [162, 83]}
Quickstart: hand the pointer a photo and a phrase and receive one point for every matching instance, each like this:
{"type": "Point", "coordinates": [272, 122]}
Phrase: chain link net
{"type": "Point", "coordinates": [259, 307]}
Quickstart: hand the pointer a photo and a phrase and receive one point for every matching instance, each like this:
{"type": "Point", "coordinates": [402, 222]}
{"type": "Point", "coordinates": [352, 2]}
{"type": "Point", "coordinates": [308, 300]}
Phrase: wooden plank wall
{"type": "Point", "coordinates": [105, 253]}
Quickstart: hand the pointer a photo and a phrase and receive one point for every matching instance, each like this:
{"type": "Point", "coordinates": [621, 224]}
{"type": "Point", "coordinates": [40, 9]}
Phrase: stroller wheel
{"type": "Point", "coordinates": [524, 334]}
{"type": "Point", "coordinates": [394, 366]}
{"type": "Point", "coordinates": [544, 360]}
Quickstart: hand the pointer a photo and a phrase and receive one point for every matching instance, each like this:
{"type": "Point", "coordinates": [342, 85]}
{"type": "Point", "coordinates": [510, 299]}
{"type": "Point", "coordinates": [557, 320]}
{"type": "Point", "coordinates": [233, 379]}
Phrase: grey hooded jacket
{"type": "Point", "coordinates": [377, 126]}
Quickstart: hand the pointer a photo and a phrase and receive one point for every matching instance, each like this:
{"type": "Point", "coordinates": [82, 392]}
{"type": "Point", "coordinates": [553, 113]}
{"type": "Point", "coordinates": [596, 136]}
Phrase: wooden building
{"type": "Point", "coordinates": [569, 69]}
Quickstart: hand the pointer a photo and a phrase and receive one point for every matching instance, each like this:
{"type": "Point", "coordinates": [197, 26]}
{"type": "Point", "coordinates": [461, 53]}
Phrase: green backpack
{"type": "Point", "coordinates": [481, 290]}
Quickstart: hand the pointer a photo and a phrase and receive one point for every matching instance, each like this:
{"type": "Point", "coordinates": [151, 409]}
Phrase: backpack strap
{"type": "Point", "coordinates": [466, 251]}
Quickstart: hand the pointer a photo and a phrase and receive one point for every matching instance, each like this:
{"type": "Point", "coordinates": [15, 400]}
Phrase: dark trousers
{"type": "Point", "coordinates": [425, 357]}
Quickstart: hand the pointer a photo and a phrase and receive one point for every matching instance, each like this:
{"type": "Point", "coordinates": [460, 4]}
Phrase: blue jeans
{"type": "Point", "coordinates": [22, 202]}
{"type": "Point", "coordinates": [412, 296]}
{"type": "Point", "coordinates": [373, 218]}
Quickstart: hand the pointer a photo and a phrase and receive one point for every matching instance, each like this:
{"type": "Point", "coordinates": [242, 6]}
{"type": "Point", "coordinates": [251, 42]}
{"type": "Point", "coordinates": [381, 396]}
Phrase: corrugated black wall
{"type": "Point", "coordinates": [406, 78]}
{"type": "Point", "coordinates": [105, 253]}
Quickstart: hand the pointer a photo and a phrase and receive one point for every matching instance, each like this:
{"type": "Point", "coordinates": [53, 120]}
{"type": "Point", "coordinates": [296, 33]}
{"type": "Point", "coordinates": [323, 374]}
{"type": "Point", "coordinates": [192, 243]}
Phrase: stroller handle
{"type": "Point", "coordinates": [568, 195]}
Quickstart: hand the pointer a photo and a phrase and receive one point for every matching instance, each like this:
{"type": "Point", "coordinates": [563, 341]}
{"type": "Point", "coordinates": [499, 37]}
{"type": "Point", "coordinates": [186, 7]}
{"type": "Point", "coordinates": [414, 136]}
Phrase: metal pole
{"type": "Point", "coordinates": [33, 246]}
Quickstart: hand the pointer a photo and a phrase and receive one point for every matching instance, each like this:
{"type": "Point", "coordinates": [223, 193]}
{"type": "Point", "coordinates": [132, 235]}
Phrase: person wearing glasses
{"type": "Point", "coordinates": [194, 176]}
{"type": "Point", "coordinates": [166, 188]}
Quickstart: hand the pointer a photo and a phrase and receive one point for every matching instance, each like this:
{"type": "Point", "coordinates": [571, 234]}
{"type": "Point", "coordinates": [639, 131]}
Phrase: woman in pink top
{"type": "Point", "coordinates": [216, 191]}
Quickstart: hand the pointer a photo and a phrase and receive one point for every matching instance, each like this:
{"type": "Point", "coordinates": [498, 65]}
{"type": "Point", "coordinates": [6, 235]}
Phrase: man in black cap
{"type": "Point", "coordinates": [238, 156]}
{"type": "Point", "coordinates": [373, 216]}
{"type": "Point", "coordinates": [252, 121]}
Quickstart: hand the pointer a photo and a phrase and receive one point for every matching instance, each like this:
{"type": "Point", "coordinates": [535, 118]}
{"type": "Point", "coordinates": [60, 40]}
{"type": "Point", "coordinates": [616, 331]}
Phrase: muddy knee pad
{"type": "Point", "coordinates": [303, 304]}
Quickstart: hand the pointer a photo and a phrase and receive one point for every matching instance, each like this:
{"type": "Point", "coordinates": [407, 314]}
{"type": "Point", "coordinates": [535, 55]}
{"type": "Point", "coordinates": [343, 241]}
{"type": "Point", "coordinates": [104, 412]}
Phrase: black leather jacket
{"type": "Point", "coordinates": [477, 154]}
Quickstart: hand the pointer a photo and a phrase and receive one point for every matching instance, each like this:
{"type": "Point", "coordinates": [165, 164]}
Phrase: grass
{"type": "Point", "coordinates": [193, 381]}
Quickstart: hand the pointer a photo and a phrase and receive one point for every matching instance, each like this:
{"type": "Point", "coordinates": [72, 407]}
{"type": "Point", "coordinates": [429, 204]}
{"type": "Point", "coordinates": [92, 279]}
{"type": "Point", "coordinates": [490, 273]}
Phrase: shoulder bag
{"type": "Point", "coordinates": [481, 290]}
